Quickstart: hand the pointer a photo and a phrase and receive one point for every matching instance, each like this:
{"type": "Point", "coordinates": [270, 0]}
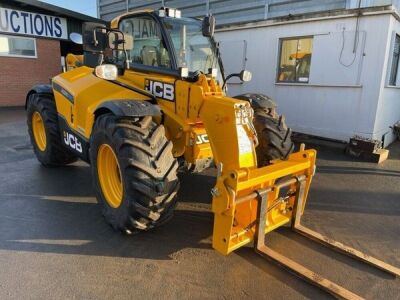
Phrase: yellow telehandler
{"type": "Point", "coordinates": [147, 100]}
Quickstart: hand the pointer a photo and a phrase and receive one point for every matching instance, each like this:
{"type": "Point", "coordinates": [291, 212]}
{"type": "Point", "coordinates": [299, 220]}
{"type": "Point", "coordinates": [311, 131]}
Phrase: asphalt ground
{"type": "Point", "coordinates": [54, 243]}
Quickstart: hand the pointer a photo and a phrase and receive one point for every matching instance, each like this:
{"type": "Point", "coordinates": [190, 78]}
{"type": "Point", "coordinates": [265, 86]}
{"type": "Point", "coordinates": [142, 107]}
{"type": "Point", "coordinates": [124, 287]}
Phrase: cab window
{"type": "Point", "coordinates": [148, 46]}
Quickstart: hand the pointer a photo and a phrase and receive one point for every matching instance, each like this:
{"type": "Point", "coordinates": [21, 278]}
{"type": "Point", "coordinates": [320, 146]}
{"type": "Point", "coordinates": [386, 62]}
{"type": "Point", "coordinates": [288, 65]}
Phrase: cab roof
{"type": "Point", "coordinates": [114, 22]}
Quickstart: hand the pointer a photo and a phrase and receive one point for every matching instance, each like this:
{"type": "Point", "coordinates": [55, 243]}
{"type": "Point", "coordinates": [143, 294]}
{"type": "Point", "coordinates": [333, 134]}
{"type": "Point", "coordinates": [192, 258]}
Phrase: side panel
{"type": "Point", "coordinates": [171, 95]}
{"type": "Point", "coordinates": [79, 94]}
{"type": "Point", "coordinates": [161, 86]}
{"type": "Point", "coordinates": [73, 141]}
{"type": "Point", "coordinates": [64, 102]}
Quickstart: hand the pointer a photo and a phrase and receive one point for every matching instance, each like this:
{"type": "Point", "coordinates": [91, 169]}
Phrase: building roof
{"type": "Point", "coordinates": [57, 10]}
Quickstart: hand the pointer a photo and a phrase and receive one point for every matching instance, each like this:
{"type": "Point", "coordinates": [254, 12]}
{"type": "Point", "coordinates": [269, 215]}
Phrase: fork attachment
{"type": "Point", "coordinates": [301, 271]}
{"type": "Point", "coordinates": [250, 202]}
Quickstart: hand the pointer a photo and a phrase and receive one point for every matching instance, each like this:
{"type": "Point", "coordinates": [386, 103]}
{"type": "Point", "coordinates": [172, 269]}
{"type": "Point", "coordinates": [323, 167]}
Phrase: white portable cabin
{"type": "Point", "coordinates": [331, 66]}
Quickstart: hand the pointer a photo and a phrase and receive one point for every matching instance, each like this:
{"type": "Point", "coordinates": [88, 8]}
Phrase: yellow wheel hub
{"type": "Point", "coordinates": [39, 131]}
{"type": "Point", "coordinates": [109, 175]}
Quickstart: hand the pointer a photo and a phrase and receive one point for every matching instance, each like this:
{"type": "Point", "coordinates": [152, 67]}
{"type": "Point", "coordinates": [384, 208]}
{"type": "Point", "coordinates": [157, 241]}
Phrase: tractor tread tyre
{"type": "Point", "coordinates": [148, 170]}
{"type": "Point", "coordinates": [274, 137]}
{"type": "Point", "coordinates": [55, 153]}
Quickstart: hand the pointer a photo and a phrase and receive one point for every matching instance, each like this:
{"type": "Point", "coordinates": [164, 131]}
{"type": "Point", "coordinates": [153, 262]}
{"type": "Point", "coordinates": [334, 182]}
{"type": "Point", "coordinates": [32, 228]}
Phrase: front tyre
{"type": "Point", "coordinates": [44, 131]}
{"type": "Point", "coordinates": [134, 172]}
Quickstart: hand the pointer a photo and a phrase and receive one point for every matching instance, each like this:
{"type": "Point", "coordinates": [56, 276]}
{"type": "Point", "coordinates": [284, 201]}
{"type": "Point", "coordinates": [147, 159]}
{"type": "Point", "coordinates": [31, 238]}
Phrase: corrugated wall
{"type": "Point", "coordinates": [278, 8]}
{"type": "Point", "coordinates": [235, 11]}
{"type": "Point", "coordinates": [226, 11]}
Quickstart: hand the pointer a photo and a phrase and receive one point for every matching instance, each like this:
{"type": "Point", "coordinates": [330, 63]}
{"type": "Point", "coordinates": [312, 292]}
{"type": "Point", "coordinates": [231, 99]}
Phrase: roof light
{"type": "Point", "coordinates": [161, 12]}
{"type": "Point", "coordinates": [169, 12]}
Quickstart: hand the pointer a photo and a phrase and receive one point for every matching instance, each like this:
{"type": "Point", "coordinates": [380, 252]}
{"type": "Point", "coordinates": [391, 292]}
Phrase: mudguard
{"type": "Point", "coordinates": [39, 88]}
{"type": "Point", "coordinates": [258, 100]}
{"type": "Point", "coordinates": [129, 108]}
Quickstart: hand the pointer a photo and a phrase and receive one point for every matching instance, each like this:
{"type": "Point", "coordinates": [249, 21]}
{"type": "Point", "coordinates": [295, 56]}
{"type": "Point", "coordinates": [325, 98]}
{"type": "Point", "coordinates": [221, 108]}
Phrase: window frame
{"type": "Point", "coordinates": [280, 41]}
{"type": "Point", "coordinates": [174, 69]}
{"type": "Point", "coordinates": [392, 61]}
{"type": "Point", "coordinates": [17, 55]}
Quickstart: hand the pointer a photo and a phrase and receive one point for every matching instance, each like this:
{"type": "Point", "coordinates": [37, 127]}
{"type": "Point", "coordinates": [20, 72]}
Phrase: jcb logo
{"type": "Point", "coordinates": [72, 141]}
{"type": "Point", "coordinates": [160, 89]}
{"type": "Point", "coordinates": [202, 139]}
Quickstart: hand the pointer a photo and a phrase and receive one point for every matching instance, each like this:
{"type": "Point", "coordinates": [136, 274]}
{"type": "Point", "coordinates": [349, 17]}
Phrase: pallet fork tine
{"type": "Point", "coordinates": [294, 267]}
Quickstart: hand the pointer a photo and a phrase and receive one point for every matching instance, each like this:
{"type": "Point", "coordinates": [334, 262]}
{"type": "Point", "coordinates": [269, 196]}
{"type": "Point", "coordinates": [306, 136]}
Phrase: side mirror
{"type": "Point", "coordinates": [107, 72]}
{"type": "Point", "coordinates": [94, 37]}
{"type": "Point", "coordinates": [208, 26]}
{"type": "Point", "coordinates": [245, 76]}
{"type": "Point", "coordinates": [76, 38]}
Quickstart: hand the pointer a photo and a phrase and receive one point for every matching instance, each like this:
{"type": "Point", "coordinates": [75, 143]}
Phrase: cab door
{"type": "Point", "coordinates": [150, 59]}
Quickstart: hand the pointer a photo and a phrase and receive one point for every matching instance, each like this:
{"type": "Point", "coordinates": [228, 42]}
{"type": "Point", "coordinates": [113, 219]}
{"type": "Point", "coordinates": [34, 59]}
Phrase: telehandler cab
{"type": "Point", "coordinates": [147, 99]}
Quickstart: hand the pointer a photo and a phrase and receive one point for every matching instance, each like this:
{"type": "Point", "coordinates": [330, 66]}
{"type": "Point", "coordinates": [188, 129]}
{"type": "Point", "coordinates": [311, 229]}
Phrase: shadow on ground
{"type": "Point", "coordinates": [70, 222]}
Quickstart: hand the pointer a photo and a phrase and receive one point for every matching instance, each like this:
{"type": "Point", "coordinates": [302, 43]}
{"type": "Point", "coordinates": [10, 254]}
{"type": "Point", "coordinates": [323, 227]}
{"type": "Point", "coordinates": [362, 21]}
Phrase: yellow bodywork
{"type": "Point", "coordinates": [228, 125]}
{"type": "Point", "coordinates": [202, 123]}
{"type": "Point", "coordinates": [73, 61]}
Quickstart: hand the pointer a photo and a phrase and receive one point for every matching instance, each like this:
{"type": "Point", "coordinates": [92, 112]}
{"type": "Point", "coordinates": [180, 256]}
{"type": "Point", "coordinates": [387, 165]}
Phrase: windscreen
{"type": "Point", "coordinates": [193, 50]}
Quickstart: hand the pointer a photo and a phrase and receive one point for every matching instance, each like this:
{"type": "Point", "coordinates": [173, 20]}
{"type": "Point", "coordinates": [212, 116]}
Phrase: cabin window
{"type": "Point", "coordinates": [295, 59]}
{"type": "Point", "coordinates": [395, 62]}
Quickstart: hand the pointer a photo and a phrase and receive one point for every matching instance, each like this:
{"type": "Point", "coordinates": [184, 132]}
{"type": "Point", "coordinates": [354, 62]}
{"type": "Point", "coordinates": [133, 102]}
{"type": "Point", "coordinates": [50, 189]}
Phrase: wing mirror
{"type": "Point", "coordinates": [244, 76]}
{"type": "Point", "coordinates": [94, 37]}
{"type": "Point", "coordinates": [208, 26]}
{"type": "Point", "coordinates": [76, 38]}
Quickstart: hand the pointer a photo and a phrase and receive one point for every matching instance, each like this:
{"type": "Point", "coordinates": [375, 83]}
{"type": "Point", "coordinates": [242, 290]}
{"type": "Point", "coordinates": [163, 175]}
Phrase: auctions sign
{"type": "Point", "coordinates": [28, 23]}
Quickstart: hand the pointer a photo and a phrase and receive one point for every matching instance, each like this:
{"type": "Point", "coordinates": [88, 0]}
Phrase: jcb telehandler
{"type": "Point", "coordinates": [148, 99]}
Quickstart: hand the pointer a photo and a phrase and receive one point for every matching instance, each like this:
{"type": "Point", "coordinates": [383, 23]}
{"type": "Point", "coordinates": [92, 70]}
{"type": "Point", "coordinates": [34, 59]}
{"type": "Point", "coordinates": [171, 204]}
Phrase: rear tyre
{"type": "Point", "coordinates": [44, 131]}
{"type": "Point", "coordinates": [134, 172]}
{"type": "Point", "coordinates": [274, 136]}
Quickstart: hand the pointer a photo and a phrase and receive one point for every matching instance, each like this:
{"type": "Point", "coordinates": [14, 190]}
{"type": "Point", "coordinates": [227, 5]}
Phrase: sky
{"type": "Point", "coordinates": [87, 7]}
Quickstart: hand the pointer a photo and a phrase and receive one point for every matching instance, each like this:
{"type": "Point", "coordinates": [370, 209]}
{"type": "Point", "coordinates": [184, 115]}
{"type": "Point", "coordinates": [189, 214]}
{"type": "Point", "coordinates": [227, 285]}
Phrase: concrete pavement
{"type": "Point", "coordinates": [54, 243]}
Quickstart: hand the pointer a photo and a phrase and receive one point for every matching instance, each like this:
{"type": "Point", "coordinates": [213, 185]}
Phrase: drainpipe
{"type": "Point", "coordinates": [266, 9]}
{"type": "Point", "coordinates": [98, 8]}
{"type": "Point", "coordinates": [359, 14]}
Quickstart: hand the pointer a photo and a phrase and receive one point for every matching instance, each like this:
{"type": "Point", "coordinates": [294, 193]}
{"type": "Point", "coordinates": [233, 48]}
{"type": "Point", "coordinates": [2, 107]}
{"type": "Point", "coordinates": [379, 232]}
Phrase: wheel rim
{"type": "Point", "coordinates": [109, 175]}
{"type": "Point", "coordinates": [39, 131]}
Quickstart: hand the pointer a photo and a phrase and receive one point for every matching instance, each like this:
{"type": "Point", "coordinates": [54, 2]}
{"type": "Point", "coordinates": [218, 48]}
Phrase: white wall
{"type": "Point", "coordinates": [388, 109]}
{"type": "Point", "coordinates": [338, 102]}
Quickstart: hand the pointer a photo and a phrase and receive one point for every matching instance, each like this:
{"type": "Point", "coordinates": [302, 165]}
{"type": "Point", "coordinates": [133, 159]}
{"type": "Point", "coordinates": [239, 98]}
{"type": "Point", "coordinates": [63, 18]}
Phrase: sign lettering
{"type": "Point", "coordinates": [28, 23]}
{"type": "Point", "coordinates": [72, 141]}
{"type": "Point", "coordinates": [202, 139]}
{"type": "Point", "coordinates": [140, 28]}
{"type": "Point", "coordinates": [161, 90]}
